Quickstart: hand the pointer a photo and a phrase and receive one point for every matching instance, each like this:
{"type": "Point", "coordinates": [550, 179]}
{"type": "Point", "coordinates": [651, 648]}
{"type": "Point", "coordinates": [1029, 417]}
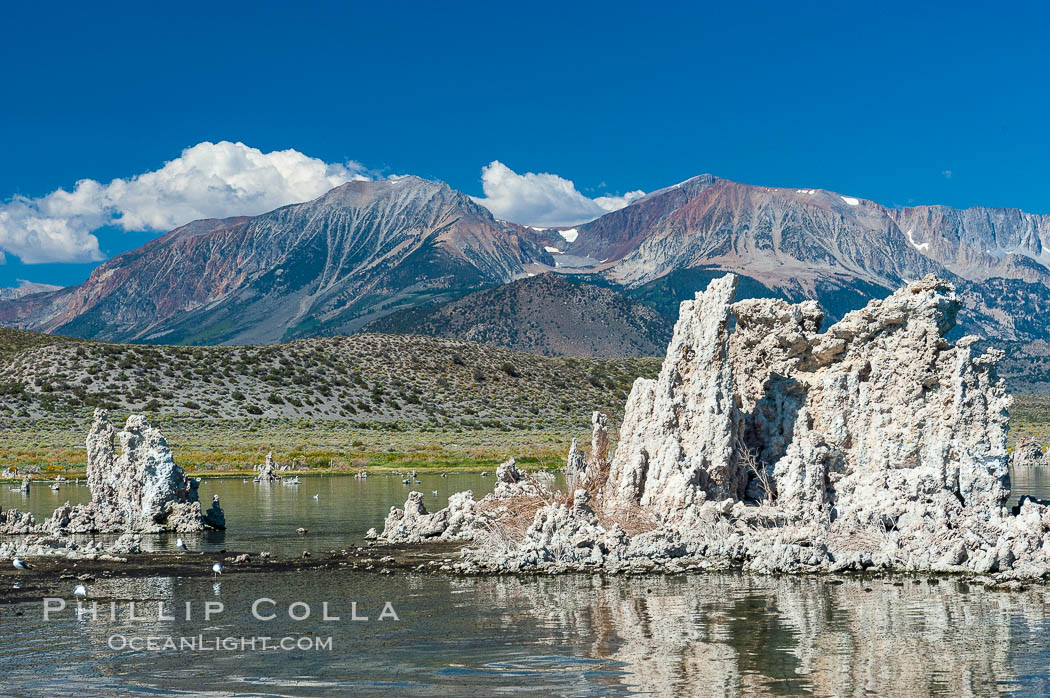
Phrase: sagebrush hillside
{"type": "Point", "coordinates": [13, 342]}
{"type": "Point", "coordinates": [366, 401]}
{"type": "Point", "coordinates": [546, 314]}
{"type": "Point", "coordinates": [365, 379]}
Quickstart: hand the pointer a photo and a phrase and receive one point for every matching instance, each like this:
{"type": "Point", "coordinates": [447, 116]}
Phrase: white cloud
{"type": "Point", "coordinates": [542, 199]}
{"type": "Point", "coordinates": [208, 180]}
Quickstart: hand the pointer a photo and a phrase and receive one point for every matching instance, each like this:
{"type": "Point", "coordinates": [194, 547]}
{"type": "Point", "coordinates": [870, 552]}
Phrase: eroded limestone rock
{"type": "Point", "coordinates": [574, 464]}
{"type": "Point", "coordinates": [31, 546]}
{"type": "Point", "coordinates": [458, 521]}
{"type": "Point", "coordinates": [139, 490]}
{"type": "Point", "coordinates": [777, 448]}
{"type": "Point", "coordinates": [268, 471]}
{"type": "Point", "coordinates": [591, 472]}
{"type": "Point", "coordinates": [512, 482]}
{"type": "Point", "coordinates": [463, 518]}
{"type": "Point", "coordinates": [14, 521]}
{"type": "Point", "coordinates": [1028, 453]}
{"type": "Point", "coordinates": [676, 447]}
{"type": "Point", "coordinates": [567, 535]}
{"type": "Point", "coordinates": [127, 544]}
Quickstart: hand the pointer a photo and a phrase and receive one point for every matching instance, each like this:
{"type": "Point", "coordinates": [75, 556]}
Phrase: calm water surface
{"type": "Point", "coordinates": [264, 516]}
{"type": "Point", "coordinates": [715, 634]}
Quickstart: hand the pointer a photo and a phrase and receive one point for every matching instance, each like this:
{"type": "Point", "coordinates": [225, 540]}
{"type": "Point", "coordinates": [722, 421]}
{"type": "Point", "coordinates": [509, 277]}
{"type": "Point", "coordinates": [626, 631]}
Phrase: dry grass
{"type": "Point", "coordinates": [858, 541]}
{"type": "Point", "coordinates": [758, 469]}
{"type": "Point", "coordinates": [213, 446]}
{"type": "Point", "coordinates": [633, 518]}
{"type": "Point", "coordinates": [508, 519]}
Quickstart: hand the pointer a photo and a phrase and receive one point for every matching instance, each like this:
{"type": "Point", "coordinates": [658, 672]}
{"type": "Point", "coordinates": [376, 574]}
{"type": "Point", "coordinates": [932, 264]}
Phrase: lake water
{"type": "Point", "coordinates": [712, 634]}
{"type": "Point", "coordinates": [264, 516]}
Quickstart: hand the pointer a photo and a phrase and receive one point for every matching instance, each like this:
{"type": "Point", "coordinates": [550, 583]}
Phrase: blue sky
{"type": "Point", "coordinates": [901, 103]}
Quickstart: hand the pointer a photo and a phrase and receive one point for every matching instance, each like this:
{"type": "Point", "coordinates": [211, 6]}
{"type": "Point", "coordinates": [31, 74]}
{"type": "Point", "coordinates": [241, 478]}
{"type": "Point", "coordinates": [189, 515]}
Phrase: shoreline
{"type": "Point", "coordinates": [234, 474]}
{"type": "Point", "coordinates": [204, 447]}
{"type": "Point", "coordinates": [55, 576]}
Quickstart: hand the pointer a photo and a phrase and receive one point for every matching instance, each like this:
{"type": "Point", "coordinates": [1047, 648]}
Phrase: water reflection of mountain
{"type": "Point", "coordinates": [733, 634]}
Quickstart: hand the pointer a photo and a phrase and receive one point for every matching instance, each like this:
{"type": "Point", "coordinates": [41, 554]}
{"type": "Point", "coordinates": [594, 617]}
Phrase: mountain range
{"type": "Point", "coordinates": [324, 267]}
{"type": "Point", "coordinates": [413, 255]}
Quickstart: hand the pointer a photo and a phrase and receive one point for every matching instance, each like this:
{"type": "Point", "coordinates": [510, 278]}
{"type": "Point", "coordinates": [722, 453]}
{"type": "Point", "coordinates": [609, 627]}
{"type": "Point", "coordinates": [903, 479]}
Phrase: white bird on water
{"type": "Point", "coordinates": [80, 590]}
{"type": "Point", "coordinates": [216, 568]}
{"type": "Point", "coordinates": [180, 544]}
{"type": "Point", "coordinates": [315, 496]}
{"type": "Point", "coordinates": [434, 491]}
{"type": "Point", "coordinates": [20, 564]}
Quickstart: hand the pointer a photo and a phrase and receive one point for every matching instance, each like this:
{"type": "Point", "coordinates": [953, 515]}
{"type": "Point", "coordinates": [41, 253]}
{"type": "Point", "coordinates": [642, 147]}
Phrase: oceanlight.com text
{"type": "Point", "coordinates": [204, 643]}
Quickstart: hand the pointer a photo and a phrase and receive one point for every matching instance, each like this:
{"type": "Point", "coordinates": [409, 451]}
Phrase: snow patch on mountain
{"type": "Point", "coordinates": [921, 247]}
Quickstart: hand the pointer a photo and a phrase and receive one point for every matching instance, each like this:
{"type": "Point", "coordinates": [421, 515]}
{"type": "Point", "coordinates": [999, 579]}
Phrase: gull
{"type": "Point", "coordinates": [216, 569]}
{"type": "Point", "coordinates": [315, 496]}
{"type": "Point", "coordinates": [180, 544]}
{"type": "Point", "coordinates": [20, 564]}
{"type": "Point", "coordinates": [406, 481]}
{"type": "Point", "coordinates": [434, 491]}
{"type": "Point", "coordinates": [80, 590]}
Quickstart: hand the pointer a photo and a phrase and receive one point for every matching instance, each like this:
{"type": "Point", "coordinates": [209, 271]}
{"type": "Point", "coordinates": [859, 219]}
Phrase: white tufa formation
{"type": "Point", "coordinates": [140, 490]}
{"type": "Point", "coordinates": [677, 438]}
{"type": "Point", "coordinates": [1028, 453]}
{"type": "Point", "coordinates": [268, 471]}
{"type": "Point", "coordinates": [464, 516]}
{"type": "Point", "coordinates": [766, 444]}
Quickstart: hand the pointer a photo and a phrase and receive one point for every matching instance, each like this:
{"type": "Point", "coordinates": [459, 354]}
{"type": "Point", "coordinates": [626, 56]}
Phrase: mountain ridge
{"type": "Point", "coordinates": [367, 249]}
{"type": "Point", "coordinates": [312, 267]}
